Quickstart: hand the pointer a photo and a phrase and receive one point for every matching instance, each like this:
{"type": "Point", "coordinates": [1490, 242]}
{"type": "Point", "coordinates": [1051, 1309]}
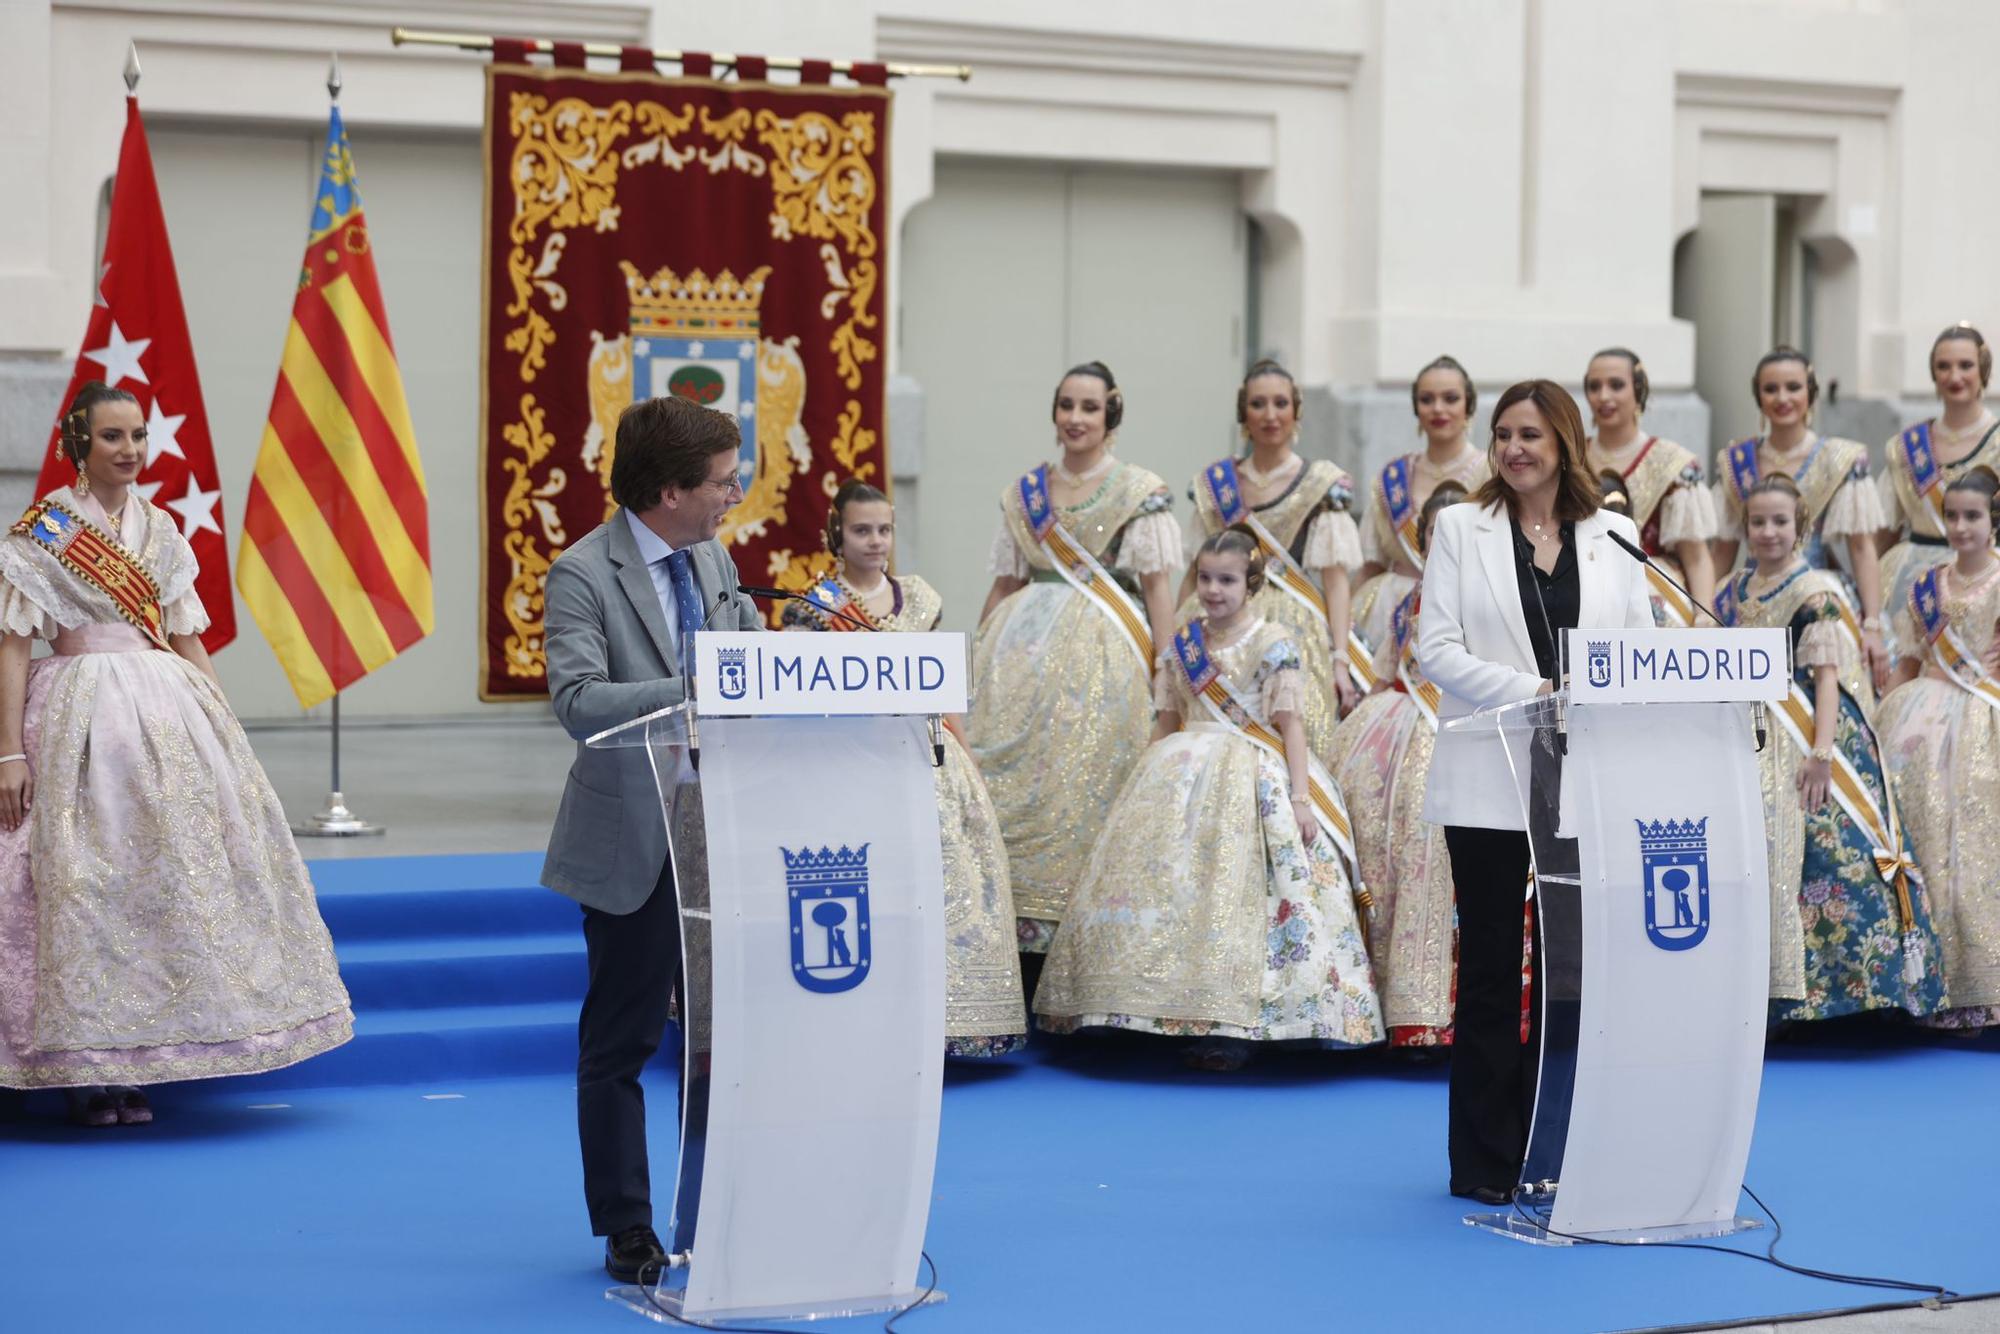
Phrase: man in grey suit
{"type": "Point", "coordinates": [624, 603]}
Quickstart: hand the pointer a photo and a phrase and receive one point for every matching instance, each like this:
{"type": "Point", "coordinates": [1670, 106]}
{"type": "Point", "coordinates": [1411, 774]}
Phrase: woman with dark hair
{"type": "Point", "coordinates": [1661, 482]}
{"type": "Point", "coordinates": [1300, 511]}
{"type": "Point", "coordinates": [1382, 761]}
{"type": "Point", "coordinates": [1062, 666]}
{"type": "Point", "coordinates": [1843, 939]}
{"type": "Point", "coordinates": [156, 922]}
{"type": "Point", "coordinates": [1529, 557]}
{"type": "Point", "coordinates": [1444, 399]}
{"type": "Point", "coordinates": [1215, 905]}
{"type": "Point", "coordinates": [1841, 507]}
{"type": "Point", "coordinates": [984, 1013]}
{"type": "Point", "coordinates": [1940, 732]}
{"type": "Point", "coordinates": [1923, 462]}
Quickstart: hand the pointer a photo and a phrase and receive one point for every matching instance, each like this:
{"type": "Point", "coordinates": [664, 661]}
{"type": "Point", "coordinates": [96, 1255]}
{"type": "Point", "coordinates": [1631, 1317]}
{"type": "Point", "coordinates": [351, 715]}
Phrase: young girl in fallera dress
{"type": "Point", "coordinates": [1382, 760]}
{"type": "Point", "coordinates": [1940, 730]}
{"type": "Point", "coordinates": [984, 1011]}
{"type": "Point", "coordinates": [1215, 905]}
{"type": "Point", "coordinates": [1443, 399]}
{"type": "Point", "coordinates": [1062, 666]}
{"type": "Point", "coordinates": [1850, 918]}
{"type": "Point", "coordinates": [1302, 514]}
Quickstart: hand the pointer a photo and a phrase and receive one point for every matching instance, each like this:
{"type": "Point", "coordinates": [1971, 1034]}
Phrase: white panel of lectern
{"type": "Point", "coordinates": [806, 853]}
{"type": "Point", "coordinates": [1645, 818]}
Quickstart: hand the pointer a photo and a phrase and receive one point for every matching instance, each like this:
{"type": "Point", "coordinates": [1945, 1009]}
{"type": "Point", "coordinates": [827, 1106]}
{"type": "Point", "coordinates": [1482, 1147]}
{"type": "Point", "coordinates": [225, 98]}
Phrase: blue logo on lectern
{"type": "Point", "coordinates": [1600, 662]}
{"type": "Point", "coordinates": [733, 674]}
{"type": "Point", "coordinates": [828, 890]}
{"type": "Point", "coordinates": [1674, 855]}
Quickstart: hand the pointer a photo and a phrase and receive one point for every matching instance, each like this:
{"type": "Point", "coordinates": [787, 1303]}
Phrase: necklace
{"type": "Point", "coordinates": [1967, 582]}
{"type": "Point", "coordinates": [1092, 473]}
{"type": "Point", "coordinates": [1458, 461]}
{"type": "Point", "coordinates": [1947, 436]}
{"type": "Point", "coordinates": [1248, 470]}
{"type": "Point", "coordinates": [1228, 636]}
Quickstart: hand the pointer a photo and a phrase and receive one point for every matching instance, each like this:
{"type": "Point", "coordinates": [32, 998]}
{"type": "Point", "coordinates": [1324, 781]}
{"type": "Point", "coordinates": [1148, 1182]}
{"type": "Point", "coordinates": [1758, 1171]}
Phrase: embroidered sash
{"type": "Point", "coordinates": [1960, 665]}
{"type": "Point", "coordinates": [1079, 569]}
{"type": "Point", "coordinates": [1423, 692]}
{"type": "Point", "coordinates": [1921, 466]}
{"type": "Point", "coordinates": [1212, 688]}
{"type": "Point", "coordinates": [828, 596]}
{"type": "Point", "coordinates": [99, 561]}
{"type": "Point", "coordinates": [1393, 494]}
{"type": "Point", "coordinates": [1218, 479]}
{"type": "Point", "coordinates": [1880, 825]}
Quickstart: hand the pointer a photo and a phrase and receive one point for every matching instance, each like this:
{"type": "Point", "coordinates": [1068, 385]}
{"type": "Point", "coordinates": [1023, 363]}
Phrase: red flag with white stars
{"type": "Point", "coordinates": [138, 341]}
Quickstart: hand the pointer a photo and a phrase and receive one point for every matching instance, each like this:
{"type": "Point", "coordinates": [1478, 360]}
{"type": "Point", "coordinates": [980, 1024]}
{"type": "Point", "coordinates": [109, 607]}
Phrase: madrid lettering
{"type": "Point", "coordinates": [856, 671]}
{"type": "Point", "coordinates": [1700, 664]}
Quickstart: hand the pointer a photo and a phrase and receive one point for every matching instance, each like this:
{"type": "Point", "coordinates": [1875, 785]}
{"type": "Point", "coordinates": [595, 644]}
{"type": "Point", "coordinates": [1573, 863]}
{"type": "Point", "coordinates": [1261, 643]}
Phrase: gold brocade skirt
{"type": "Point", "coordinates": [1307, 630]}
{"type": "Point", "coordinates": [1061, 711]}
{"type": "Point", "coordinates": [1382, 761]}
{"type": "Point", "coordinates": [984, 1014]}
{"type": "Point", "coordinates": [1785, 836]}
{"type": "Point", "coordinates": [1941, 749]}
{"type": "Point", "coordinates": [1203, 911]}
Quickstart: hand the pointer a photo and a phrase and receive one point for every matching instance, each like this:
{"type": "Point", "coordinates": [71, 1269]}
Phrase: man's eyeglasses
{"type": "Point", "coordinates": [728, 486]}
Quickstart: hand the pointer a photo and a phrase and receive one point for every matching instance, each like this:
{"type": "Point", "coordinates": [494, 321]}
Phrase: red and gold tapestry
{"type": "Point", "coordinates": [724, 241]}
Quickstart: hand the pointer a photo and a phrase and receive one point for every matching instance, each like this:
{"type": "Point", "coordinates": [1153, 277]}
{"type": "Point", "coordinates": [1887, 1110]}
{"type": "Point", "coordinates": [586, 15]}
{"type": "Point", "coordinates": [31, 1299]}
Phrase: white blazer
{"type": "Point", "coordinates": [1472, 640]}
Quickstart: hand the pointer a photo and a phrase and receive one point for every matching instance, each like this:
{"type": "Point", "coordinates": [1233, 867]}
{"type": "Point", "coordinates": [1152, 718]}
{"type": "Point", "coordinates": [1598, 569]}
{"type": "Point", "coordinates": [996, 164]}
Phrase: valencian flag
{"type": "Point", "coordinates": [336, 558]}
{"type": "Point", "coordinates": [137, 340]}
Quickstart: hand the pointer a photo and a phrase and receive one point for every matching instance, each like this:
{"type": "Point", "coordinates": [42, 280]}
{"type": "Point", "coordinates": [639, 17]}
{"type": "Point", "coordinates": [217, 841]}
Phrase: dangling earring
{"type": "Point", "coordinates": [82, 479]}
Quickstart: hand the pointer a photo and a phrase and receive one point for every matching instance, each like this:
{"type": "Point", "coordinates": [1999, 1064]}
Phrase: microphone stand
{"type": "Point", "coordinates": [1758, 717]}
{"type": "Point", "coordinates": [786, 595]}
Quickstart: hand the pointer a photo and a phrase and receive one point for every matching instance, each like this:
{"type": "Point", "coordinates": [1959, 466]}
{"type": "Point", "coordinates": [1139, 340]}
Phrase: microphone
{"type": "Point", "coordinates": [785, 595]}
{"type": "Point", "coordinates": [1636, 554]}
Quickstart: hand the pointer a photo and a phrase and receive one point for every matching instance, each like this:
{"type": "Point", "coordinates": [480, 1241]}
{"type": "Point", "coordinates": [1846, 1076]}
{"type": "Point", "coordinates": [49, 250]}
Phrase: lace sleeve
{"type": "Point", "coordinates": [1819, 644]}
{"type": "Point", "coordinates": [1687, 511]}
{"type": "Point", "coordinates": [1284, 692]}
{"type": "Point", "coordinates": [1005, 560]}
{"type": "Point", "coordinates": [1151, 543]}
{"type": "Point", "coordinates": [185, 615]}
{"type": "Point", "coordinates": [1333, 540]}
{"type": "Point", "coordinates": [19, 614]}
{"type": "Point", "coordinates": [1856, 508]}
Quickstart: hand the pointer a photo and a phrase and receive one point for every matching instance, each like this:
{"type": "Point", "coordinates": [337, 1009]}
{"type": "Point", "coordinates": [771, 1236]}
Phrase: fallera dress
{"type": "Point", "coordinates": [1062, 702]}
{"type": "Point", "coordinates": [156, 922]}
{"type": "Point", "coordinates": [1912, 486]}
{"type": "Point", "coordinates": [1840, 499]}
{"type": "Point", "coordinates": [1203, 912]}
{"type": "Point", "coordinates": [984, 1014]}
{"type": "Point", "coordinates": [1670, 503]}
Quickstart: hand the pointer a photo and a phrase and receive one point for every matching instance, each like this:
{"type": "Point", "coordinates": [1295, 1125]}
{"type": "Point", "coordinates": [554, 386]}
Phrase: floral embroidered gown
{"type": "Point", "coordinates": [1670, 503]}
{"type": "Point", "coordinates": [1941, 743]}
{"type": "Point", "coordinates": [1203, 912]}
{"type": "Point", "coordinates": [156, 922]}
{"type": "Point", "coordinates": [1312, 518]}
{"type": "Point", "coordinates": [1382, 759]}
{"type": "Point", "coordinates": [1389, 538]}
{"type": "Point", "coordinates": [1062, 704]}
{"type": "Point", "coordinates": [1840, 501]}
{"type": "Point", "coordinates": [1841, 941]}
{"type": "Point", "coordinates": [984, 1014]}
{"type": "Point", "coordinates": [1920, 541]}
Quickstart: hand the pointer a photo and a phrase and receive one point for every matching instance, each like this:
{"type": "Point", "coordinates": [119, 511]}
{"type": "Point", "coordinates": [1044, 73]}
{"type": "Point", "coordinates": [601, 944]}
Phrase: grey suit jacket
{"type": "Point", "coordinates": [608, 662]}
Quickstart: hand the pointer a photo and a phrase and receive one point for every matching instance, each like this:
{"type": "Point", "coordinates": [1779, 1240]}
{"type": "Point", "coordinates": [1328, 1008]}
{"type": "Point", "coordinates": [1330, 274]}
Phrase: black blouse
{"type": "Point", "coordinates": [1550, 602]}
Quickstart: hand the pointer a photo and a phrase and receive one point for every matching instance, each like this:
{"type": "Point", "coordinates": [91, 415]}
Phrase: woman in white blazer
{"type": "Point", "coordinates": [1527, 557]}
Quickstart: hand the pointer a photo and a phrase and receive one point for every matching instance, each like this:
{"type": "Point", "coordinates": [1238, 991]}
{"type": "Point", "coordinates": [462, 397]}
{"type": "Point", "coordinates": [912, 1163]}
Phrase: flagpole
{"type": "Point", "coordinates": [334, 820]}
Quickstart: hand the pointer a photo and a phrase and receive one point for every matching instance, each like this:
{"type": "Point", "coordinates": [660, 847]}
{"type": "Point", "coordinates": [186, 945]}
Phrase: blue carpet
{"type": "Point", "coordinates": [1089, 1185]}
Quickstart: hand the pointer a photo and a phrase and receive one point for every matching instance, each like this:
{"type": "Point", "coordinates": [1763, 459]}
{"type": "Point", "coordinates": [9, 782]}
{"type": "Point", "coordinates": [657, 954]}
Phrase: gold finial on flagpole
{"type": "Point", "coordinates": [333, 84]}
{"type": "Point", "coordinates": [131, 69]}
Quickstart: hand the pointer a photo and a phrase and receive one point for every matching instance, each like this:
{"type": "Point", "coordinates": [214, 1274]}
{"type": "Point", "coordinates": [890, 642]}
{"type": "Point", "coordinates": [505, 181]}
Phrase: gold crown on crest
{"type": "Point", "coordinates": [667, 303]}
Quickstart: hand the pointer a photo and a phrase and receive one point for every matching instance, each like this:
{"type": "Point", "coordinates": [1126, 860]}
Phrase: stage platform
{"type": "Point", "coordinates": [426, 1178]}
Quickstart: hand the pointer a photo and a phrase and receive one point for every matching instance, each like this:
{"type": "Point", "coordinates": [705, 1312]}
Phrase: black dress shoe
{"type": "Point", "coordinates": [634, 1255]}
{"type": "Point", "coordinates": [1484, 1194]}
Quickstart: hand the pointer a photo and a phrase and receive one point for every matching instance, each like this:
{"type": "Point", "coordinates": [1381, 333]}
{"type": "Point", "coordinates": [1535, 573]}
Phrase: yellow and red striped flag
{"type": "Point", "coordinates": [335, 561]}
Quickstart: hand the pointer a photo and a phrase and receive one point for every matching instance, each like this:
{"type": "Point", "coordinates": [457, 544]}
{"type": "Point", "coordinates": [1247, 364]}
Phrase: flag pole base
{"type": "Point", "coordinates": [334, 820]}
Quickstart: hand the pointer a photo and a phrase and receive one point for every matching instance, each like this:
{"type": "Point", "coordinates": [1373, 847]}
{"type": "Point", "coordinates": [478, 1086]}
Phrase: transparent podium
{"type": "Point", "coordinates": [806, 859]}
{"type": "Point", "coordinates": [1646, 832]}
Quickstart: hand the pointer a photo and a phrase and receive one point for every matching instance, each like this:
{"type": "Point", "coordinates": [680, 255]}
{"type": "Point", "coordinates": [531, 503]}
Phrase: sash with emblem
{"type": "Point", "coordinates": [1393, 494]}
{"type": "Point", "coordinates": [829, 596]}
{"type": "Point", "coordinates": [1423, 692]}
{"type": "Point", "coordinates": [98, 560]}
{"type": "Point", "coordinates": [1226, 706]}
{"type": "Point", "coordinates": [1225, 493]}
{"type": "Point", "coordinates": [1081, 570]}
{"type": "Point", "coordinates": [1949, 653]}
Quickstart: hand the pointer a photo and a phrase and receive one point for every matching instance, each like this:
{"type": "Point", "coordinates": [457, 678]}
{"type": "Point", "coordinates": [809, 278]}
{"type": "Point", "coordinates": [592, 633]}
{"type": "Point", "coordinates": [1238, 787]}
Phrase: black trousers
{"type": "Point", "coordinates": [1492, 1070]}
{"type": "Point", "coordinates": [635, 962]}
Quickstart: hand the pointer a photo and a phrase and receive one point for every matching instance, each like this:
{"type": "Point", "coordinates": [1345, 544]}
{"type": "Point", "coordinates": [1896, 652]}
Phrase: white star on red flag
{"type": "Point", "coordinates": [160, 430]}
{"type": "Point", "coordinates": [197, 509]}
{"type": "Point", "coordinates": [120, 357]}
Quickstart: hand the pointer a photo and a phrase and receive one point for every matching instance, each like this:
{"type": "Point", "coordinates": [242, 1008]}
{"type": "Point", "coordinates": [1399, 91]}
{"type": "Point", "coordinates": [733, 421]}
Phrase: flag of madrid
{"type": "Point", "coordinates": [138, 341]}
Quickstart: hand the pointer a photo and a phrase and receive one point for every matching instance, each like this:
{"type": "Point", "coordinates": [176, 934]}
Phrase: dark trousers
{"type": "Point", "coordinates": [635, 962]}
{"type": "Point", "coordinates": [1492, 1070]}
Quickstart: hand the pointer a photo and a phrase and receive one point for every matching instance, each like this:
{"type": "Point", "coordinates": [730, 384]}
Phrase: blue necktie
{"type": "Point", "coordinates": [687, 602]}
